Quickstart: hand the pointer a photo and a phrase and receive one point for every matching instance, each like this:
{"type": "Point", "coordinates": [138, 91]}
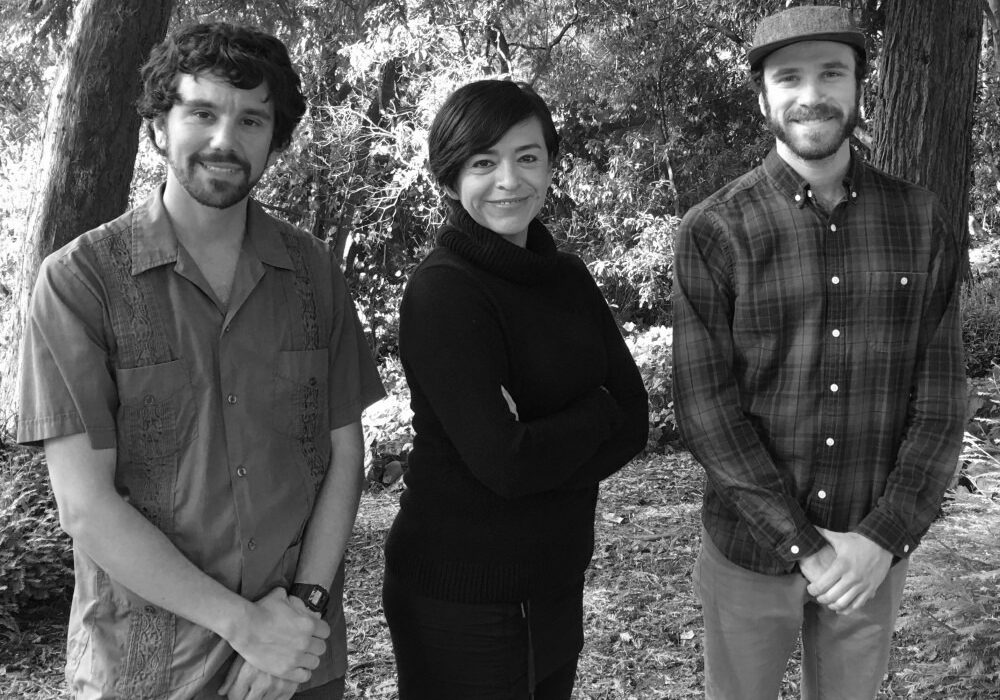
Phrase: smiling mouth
{"type": "Point", "coordinates": [508, 202]}
{"type": "Point", "coordinates": [222, 168]}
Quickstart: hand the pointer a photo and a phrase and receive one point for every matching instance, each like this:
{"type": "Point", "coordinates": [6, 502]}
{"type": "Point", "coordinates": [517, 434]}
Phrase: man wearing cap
{"type": "Point", "coordinates": [818, 379]}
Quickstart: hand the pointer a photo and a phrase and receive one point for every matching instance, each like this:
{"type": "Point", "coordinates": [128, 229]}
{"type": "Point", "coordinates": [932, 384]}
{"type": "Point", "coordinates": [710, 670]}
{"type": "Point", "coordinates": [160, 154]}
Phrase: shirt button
{"type": "Point", "coordinates": [830, 442]}
{"type": "Point", "coordinates": [252, 544]}
{"type": "Point", "coordinates": [809, 193]}
{"type": "Point", "coordinates": [798, 198]}
{"type": "Point", "coordinates": [834, 388]}
{"type": "Point", "coordinates": [904, 281]}
{"type": "Point", "coordinates": [231, 399]}
{"type": "Point", "coordinates": [854, 195]}
{"type": "Point", "coordinates": [226, 329]}
{"type": "Point", "coordinates": [821, 493]}
{"type": "Point", "coordinates": [149, 399]}
{"type": "Point", "coordinates": [833, 227]}
{"type": "Point", "coordinates": [906, 548]}
{"type": "Point", "coordinates": [241, 471]}
{"type": "Point", "coordinates": [794, 549]}
{"type": "Point", "coordinates": [835, 279]}
{"type": "Point", "coordinates": [835, 332]}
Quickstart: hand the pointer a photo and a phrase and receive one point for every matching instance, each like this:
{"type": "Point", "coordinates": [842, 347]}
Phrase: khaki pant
{"type": "Point", "coordinates": [753, 621]}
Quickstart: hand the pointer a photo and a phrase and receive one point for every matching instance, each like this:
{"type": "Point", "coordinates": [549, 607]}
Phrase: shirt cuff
{"type": "Point", "coordinates": [888, 533]}
{"type": "Point", "coordinates": [805, 542]}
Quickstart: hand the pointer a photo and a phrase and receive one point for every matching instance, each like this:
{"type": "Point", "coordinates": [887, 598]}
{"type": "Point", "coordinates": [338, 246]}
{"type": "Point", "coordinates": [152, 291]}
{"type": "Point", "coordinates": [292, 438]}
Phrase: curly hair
{"type": "Point", "coordinates": [476, 116]}
{"type": "Point", "coordinates": [241, 56]}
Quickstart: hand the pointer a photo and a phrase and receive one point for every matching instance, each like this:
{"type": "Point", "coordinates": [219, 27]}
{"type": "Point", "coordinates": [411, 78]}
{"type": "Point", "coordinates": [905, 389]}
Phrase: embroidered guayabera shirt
{"type": "Point", "coordinates": [220, 415]}
{"type": "Point", "coordinates": [818, 372]}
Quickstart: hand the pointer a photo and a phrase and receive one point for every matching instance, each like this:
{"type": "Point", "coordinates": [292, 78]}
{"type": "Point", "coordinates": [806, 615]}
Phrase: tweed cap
{"type": "Point", "coordinates": [806, 23]}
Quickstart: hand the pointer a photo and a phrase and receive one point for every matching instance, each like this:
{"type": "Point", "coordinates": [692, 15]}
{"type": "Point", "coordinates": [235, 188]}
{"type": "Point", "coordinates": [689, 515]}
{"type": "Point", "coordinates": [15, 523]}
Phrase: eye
{"type": "Point", "coordinates": [480, 163]}
{"type": "Point", "coordinates": [529, 158]}
{"type": "Point", "coordinates": [250, 121]}
{"type": "Point", "coordinates": [201, 114]}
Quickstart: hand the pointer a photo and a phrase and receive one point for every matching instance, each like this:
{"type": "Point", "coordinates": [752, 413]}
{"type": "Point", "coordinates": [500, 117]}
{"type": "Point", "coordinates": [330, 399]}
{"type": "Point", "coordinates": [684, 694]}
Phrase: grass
{"type": "Point", "coordinates": [643, 623]}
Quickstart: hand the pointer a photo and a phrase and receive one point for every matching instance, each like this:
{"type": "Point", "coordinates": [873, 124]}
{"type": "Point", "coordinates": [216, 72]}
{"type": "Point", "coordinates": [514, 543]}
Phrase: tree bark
{"type": "Point", "coordinates": [90, 141]}
{"type": "Point", "coordinates": [924, 108]}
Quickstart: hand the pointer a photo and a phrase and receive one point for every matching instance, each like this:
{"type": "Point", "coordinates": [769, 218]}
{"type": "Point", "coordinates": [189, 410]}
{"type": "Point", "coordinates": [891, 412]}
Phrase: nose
{"type": "Point", "coordinates": [223, 135]}
{"type": "Point", "coordinates": [811, 93]}
{"type": "Point", "coordinates": [506, 174]}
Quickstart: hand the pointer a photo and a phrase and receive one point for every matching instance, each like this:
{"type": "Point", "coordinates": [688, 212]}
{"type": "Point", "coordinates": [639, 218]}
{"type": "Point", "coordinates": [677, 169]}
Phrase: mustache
{"type": "Point", "coordinates": [822, 111]}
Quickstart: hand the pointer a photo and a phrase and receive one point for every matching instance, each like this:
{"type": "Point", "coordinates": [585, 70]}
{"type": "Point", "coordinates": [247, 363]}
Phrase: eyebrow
{"type": "Point", "coordinates": [519, 149]}
{"type": "Point", "coordinates": [207, 104]}
{"type": "Point", "coordinates": [795, 69]}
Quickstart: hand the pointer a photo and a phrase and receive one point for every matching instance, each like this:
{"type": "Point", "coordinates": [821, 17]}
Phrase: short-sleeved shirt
{"type": "Point", "coordinates": [220, 415]}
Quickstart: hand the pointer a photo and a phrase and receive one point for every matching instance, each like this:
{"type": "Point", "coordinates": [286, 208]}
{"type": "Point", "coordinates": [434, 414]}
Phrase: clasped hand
{"type": "Point", "coordinates": [282, 646]}
{"type": "Point", "coordinates": [846, 573]}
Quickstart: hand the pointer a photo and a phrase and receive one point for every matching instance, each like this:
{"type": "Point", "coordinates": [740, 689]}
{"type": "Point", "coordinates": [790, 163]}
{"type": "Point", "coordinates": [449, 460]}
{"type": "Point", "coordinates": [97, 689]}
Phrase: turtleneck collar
{"type": "Point", "coordinates": [537, 263]}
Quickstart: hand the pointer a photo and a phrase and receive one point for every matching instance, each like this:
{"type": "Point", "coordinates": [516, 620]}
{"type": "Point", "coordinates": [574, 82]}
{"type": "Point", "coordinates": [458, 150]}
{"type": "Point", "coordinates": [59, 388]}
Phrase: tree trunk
{"type": "Point", "coordinates": [90, 141]}
{"type": "Point", "coordinates": [925, 103]}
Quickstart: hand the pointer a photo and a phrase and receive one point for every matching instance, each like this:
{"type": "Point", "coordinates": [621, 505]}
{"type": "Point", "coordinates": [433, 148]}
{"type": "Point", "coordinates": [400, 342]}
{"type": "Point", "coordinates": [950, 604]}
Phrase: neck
{"type": "Point", "coordinates": [198, 226]}
{"type": "Point", "coordinates": [826, 175]}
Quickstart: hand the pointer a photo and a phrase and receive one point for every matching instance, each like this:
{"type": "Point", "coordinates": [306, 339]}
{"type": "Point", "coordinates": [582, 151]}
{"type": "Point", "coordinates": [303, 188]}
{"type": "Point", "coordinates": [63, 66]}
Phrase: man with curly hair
{"type": "Point", "coordinates": [196, 372]}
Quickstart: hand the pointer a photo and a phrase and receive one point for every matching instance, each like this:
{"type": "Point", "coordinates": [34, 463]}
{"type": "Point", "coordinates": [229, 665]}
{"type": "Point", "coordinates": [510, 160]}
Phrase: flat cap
{"type": "Point", "coordinates": [806, 23]}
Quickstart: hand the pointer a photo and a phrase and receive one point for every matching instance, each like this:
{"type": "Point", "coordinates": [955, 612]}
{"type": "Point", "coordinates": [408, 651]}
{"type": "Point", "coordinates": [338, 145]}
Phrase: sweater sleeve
{"type": "Point", "coordinates": [624, 383]}
{"type": "Point", "coordinates": [452, 348]}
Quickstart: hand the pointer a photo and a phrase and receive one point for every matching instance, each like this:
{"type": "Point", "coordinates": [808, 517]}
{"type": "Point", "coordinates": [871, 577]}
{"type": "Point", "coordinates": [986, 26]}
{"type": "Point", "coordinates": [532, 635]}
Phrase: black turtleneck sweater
{"type": "Point", "coordinates": [500, 508]}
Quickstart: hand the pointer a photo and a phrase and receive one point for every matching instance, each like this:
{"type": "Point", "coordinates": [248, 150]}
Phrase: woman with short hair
{"type": "Point", "coordinates": [524, 397]}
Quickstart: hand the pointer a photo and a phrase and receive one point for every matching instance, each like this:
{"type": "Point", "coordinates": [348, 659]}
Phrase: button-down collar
{"type": "Point", "coordinates": [796, 188]}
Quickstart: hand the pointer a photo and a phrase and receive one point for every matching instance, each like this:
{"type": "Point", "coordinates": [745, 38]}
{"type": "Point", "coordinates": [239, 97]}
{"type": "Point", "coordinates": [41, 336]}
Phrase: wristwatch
{"type": "Point", "coordinates": [315, 597]}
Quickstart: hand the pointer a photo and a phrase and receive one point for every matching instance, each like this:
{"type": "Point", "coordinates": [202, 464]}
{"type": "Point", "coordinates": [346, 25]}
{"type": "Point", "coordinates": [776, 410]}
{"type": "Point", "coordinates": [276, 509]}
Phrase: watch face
{"type": "Point", "coordinates": [316, 597]}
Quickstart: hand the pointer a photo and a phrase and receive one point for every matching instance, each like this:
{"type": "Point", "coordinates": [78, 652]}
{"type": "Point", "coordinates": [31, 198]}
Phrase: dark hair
{"type": "Point", "coordinates": [860, 69]}
{"type": "Point", "coordinates": [243, 57]}
{"type": "Point", "coordinates": [475, 117]}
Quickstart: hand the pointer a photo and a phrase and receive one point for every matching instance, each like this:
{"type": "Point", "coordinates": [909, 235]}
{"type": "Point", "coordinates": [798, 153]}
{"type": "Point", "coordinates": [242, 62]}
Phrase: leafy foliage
{"type": "Point", "coordinates": [36, 560]}
{"type": "Point", "coordinates": [653, 354]}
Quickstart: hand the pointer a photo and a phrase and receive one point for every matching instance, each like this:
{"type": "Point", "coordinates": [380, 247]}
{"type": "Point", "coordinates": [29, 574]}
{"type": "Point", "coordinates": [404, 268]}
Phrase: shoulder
{"type": "Point", "coordinates": [728, 203]}
{"type": "Point", "coordinates": [94, 254]}
{"type": "Point", "coordinates": [891, 185]}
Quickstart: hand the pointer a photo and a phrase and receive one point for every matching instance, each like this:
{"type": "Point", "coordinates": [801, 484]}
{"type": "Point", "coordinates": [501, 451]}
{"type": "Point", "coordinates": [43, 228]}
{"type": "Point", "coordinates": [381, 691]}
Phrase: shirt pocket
{"type": "Point", "coordinates": [157, 419]}
{"type": "Point", "coordinates": [893, 303]}
{"type": "Point", "coordinates": [300, 407]}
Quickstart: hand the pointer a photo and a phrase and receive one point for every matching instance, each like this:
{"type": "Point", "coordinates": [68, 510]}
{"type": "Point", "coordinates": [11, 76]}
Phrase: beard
{"type": "Point", "coordinates": [813, 145]}
{"type": "Point", "coordinates": [206, 189]}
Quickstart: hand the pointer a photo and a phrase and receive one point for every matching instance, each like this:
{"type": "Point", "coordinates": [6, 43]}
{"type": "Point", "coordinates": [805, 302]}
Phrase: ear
{"type": "Point", "coordinates": [450, 192]}
{"type": "Point", "coordinates": [159, 134]}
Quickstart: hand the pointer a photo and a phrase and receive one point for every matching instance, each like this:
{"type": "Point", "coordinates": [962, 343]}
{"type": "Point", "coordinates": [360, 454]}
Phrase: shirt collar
{"type": "Point", "coordinates": [154, 242]}
{"type": "Point", "coordinates": [793, 186]}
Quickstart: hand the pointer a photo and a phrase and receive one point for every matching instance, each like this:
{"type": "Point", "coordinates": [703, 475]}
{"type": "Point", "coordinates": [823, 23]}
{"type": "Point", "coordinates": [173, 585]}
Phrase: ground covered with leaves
{"type": "Point", "coordinates": [643, 623]}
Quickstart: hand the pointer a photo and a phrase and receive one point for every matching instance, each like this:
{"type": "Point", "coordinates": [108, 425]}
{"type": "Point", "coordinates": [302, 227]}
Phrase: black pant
{"type": "Point", "coordinates": [457, 651]}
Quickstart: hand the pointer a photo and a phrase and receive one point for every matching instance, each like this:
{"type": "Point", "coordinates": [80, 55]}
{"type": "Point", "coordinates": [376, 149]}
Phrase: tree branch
{"type": "Point", "coordinates": [547, 58]}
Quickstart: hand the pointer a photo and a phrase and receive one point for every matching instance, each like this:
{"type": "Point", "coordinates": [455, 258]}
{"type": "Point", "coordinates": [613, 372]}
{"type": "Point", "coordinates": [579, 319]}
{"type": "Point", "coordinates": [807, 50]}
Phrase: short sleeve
{"type": "Point", "coordinates": [65, 385]}
{"type": "Point", "coordinates": [354, 379]}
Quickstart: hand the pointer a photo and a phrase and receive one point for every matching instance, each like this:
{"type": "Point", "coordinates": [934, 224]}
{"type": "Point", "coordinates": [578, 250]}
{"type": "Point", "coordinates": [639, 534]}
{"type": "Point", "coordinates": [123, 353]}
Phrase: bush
{"type": "Point", "coordinates": [653, 354]}
{"type": "Point", "coordinates": [388, 432]}
{"type": "Point", "coordinates": [36, 557]}
{"type": "Point", "coordinates": [981, 325]}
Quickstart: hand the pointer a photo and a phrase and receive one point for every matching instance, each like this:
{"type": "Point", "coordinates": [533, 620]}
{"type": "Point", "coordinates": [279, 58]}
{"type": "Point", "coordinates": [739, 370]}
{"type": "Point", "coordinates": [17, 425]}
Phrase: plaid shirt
{"type": "Point", "coordinates": [818, 370]}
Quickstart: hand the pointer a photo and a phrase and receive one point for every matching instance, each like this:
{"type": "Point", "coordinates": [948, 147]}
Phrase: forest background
{"type": "Point", "coordinates": [655, 113]}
